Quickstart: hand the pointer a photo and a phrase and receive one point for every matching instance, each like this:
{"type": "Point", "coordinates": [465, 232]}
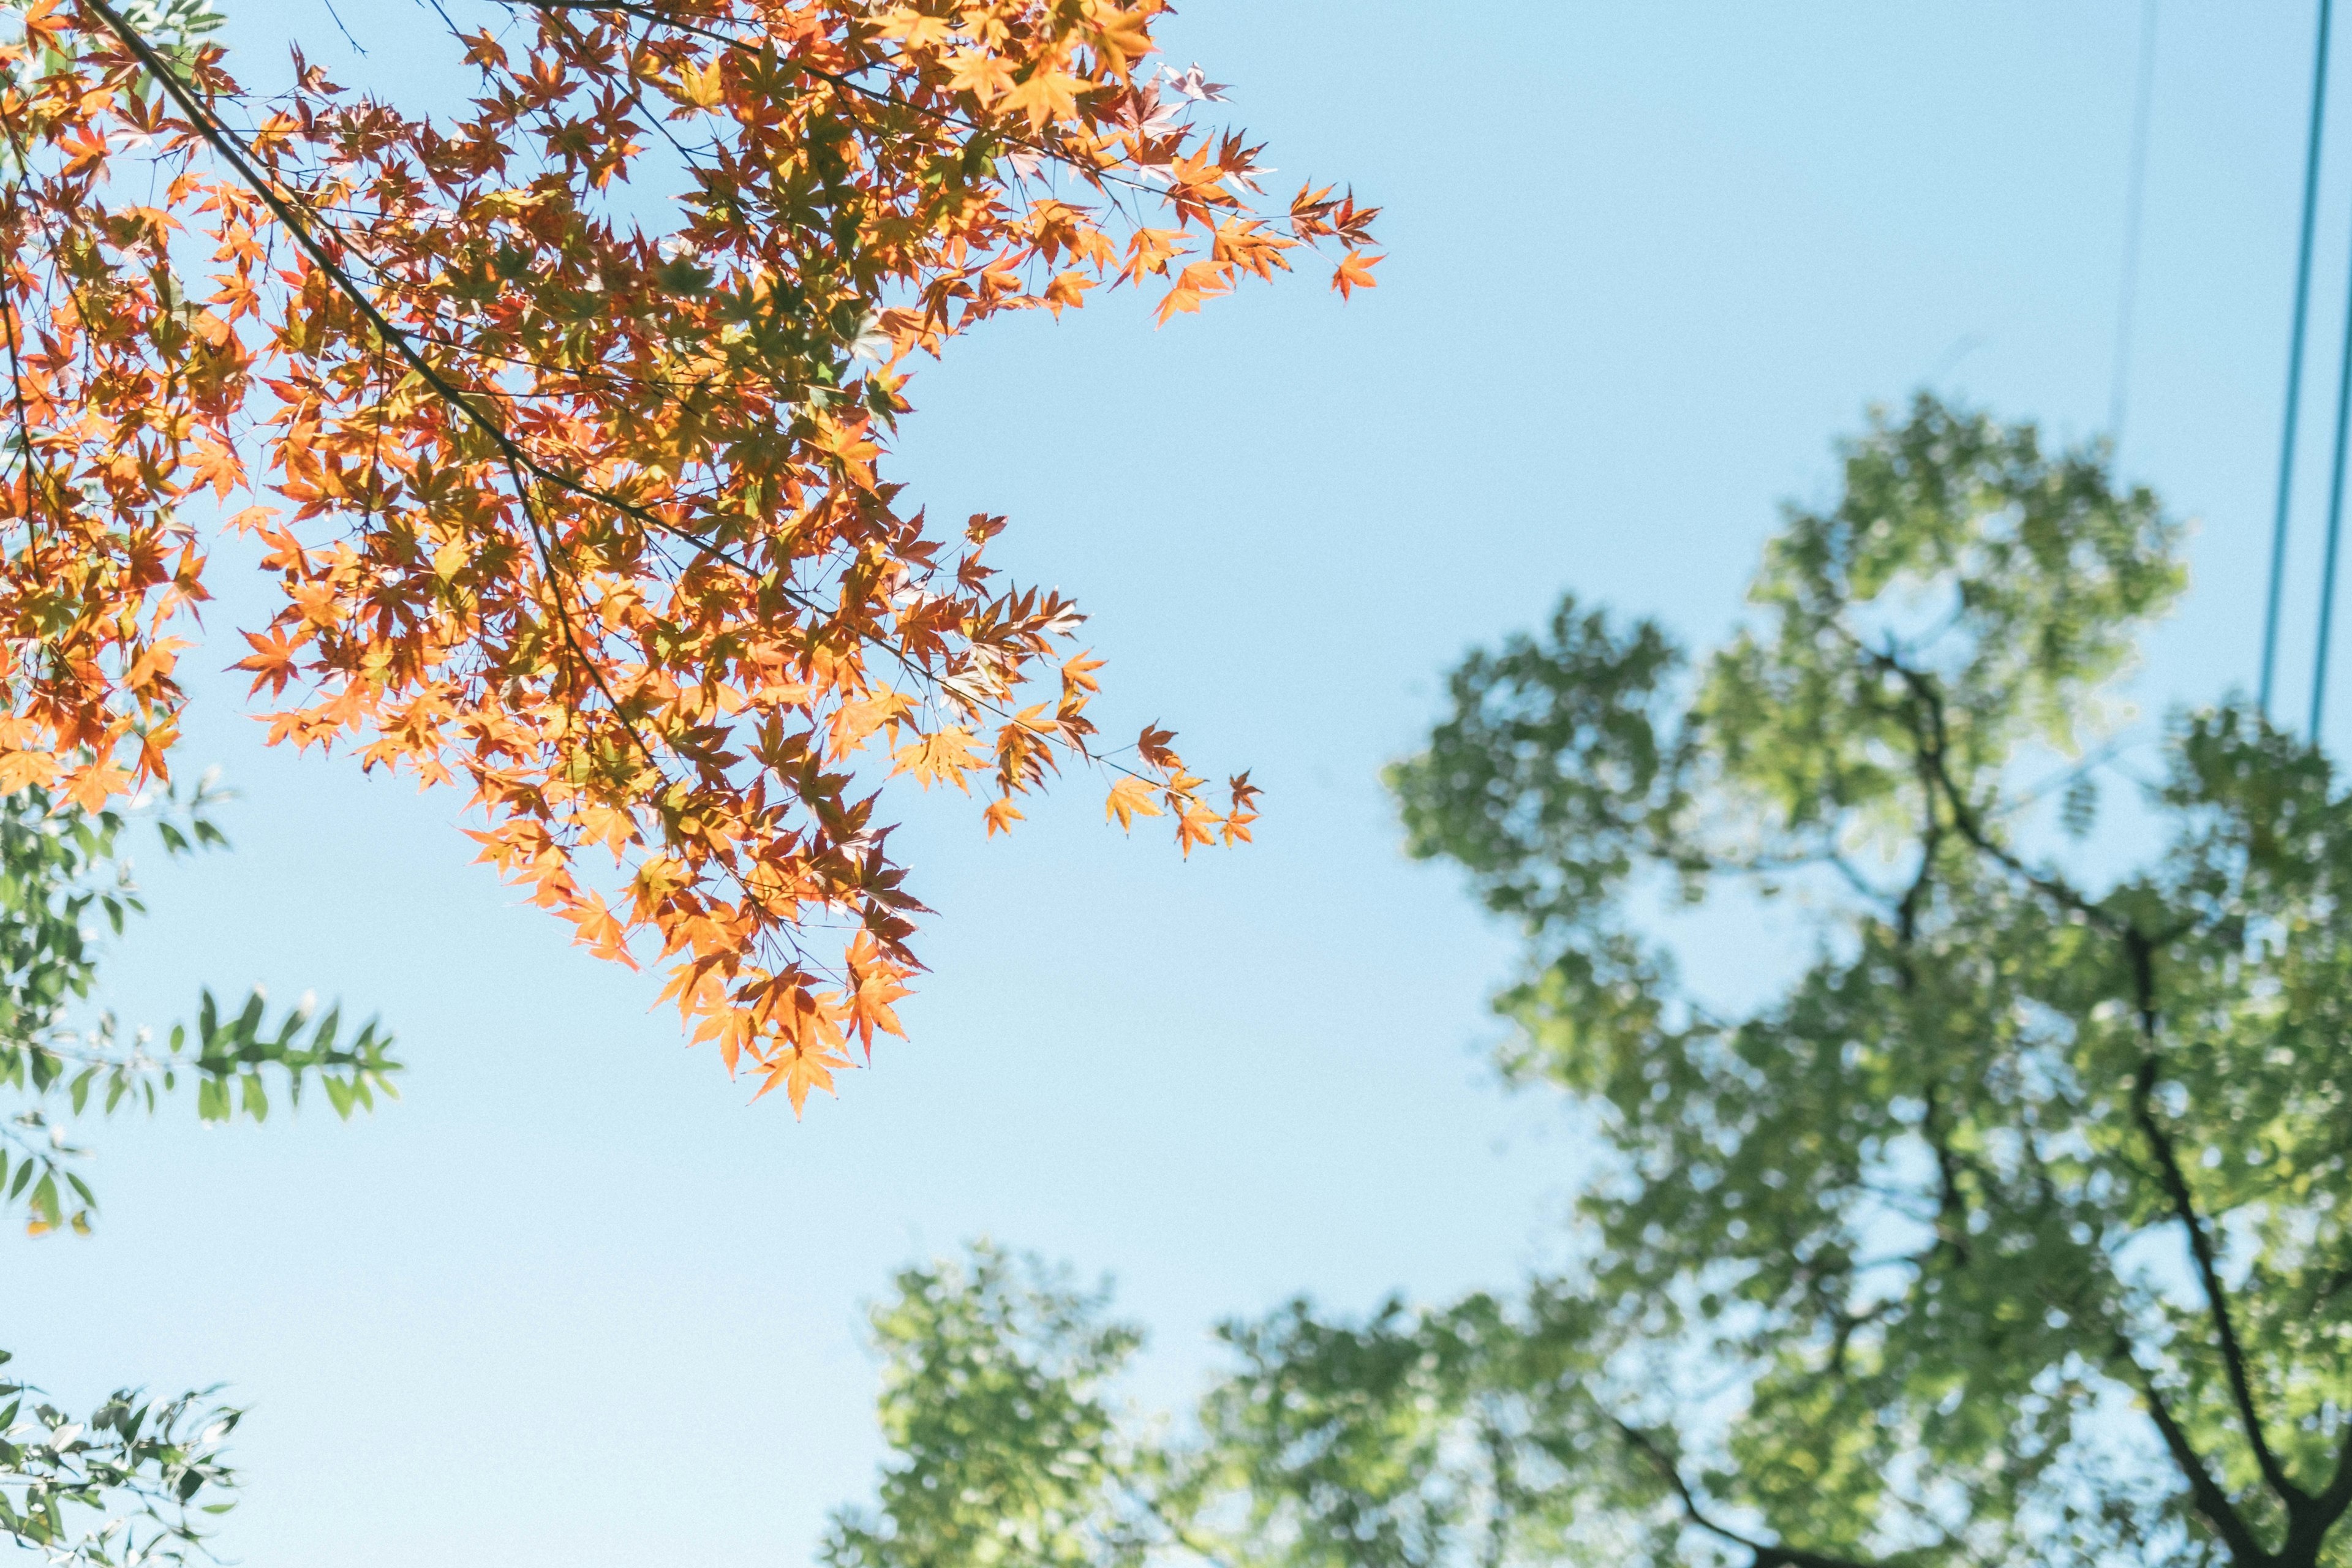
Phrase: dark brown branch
{"type": "Point", "coordinates": [1931, 839]}
{"type": "Point", "coordinates": [2330, 1505]}
{"type": "Point", "coordinates": [1768, 1555]}
{"type": "Point", "coordinates": [1934, 752]}
{"type": "Point", "coordinates": [1951, 1208]}
{"type": "Point", "coordinates": [2184, 1207]}
{"type": "Point", "coordinates": [2210, 1501]}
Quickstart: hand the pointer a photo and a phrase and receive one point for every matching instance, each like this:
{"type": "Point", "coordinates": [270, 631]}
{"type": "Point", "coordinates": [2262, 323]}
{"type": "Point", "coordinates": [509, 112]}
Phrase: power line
{"type": "Point", "coordinates": [2135, 196]}
{"type": "Point", "coordinates": [2335, 529]}
{"type": "Point", "coordinates": [2295, 355]}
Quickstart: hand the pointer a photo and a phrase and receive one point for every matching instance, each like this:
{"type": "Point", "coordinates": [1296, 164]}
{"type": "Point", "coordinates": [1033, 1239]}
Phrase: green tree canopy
{"type": "Point", "coordinates": [2012, 1228]}
{"type": "Point", "coordinates": [994, 1402]}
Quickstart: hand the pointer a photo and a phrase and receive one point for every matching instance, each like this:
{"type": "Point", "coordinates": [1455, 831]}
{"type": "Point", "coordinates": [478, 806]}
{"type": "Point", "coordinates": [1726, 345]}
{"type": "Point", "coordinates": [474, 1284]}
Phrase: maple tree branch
{"type": "Point", "coordinates": [32, 466]}
{"type": "Point", "coordinates": [517, 458]}
{"type": "Point", "coordinates": [554, 575]}
{"type": "Point", "coordinates": [216, 135]}
{"type": "Point", "coordinates": [1099, 177]}
{"type": "Point", "coordinates": [517, 461]}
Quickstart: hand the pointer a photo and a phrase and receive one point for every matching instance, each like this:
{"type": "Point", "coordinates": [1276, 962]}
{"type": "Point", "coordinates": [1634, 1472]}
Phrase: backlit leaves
{"type": "Point", "coordinates": [564, 422]}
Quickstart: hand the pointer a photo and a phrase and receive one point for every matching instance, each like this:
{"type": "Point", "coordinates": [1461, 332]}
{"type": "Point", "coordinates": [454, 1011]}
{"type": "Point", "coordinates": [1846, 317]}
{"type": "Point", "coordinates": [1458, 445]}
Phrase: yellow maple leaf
{"type": "Point", "coordinates": [1131, 798]}
{"type": "Point", "coordinates": [943, 754]}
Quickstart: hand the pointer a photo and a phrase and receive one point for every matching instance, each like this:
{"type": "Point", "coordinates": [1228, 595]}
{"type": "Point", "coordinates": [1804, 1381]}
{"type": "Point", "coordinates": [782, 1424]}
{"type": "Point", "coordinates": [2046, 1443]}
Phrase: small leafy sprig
{"type": "Point", "coordinates": [144, 1464]}
{"type": "Point", "coordinates": [225, 1057]}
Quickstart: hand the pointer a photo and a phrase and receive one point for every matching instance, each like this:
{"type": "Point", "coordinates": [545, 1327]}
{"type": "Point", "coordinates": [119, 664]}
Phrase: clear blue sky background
{"type": "Point", "coordinates": [574, 1302]}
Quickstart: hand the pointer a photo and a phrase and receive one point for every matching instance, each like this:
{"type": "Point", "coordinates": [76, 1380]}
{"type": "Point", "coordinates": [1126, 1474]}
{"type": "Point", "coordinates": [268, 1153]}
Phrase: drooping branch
{"type": "Point", "coordinates": [522, 466]}
{"type": "Point", "coordinates": [1768, 1554]}
{"type": "Point", "coordinates": [520, 463]}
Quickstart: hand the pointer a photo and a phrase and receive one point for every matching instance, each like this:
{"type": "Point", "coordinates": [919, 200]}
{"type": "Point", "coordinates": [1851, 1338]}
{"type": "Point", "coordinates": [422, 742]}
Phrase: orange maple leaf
{"type": "Point", "coordinates": [1131, 797]}
{"type": "Point", "coordinates": [800, 1069]}
{"type": "Point", "coordinates": [1200, 280]}
{"type": "Point", "coordinates": [869, 1008]}
{"type": "Point", "coordinates": [1355, 271]}
{"type": "Point", "coordinates": [1195, 824]}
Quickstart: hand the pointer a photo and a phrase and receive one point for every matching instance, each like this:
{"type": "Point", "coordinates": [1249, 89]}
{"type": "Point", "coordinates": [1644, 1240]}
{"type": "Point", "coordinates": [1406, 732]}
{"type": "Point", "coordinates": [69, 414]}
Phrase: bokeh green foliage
{"type": "Point", "coordinates": [2010, 1226]}
{"type": "Point", "coordinates": [2018, 1213]}
{"type": "Point", "coordinates": [994, 1405]}
{"type": "Point", "coordinates": [1377, 1444]}
{"type": "Point", "coordinates": [133, 1480]}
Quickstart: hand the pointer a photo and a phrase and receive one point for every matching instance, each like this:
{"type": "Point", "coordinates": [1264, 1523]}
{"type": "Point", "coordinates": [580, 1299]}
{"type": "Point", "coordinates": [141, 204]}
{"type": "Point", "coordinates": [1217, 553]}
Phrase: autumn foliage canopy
{"type": "Point", "coordinates": [562, 422]}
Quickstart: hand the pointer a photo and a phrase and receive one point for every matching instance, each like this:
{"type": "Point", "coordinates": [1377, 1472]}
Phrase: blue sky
{"type": "Point", "coordinates": [573, 1301]}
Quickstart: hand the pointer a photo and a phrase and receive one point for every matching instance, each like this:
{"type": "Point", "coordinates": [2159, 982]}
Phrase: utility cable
{"type": "Point", "coordinates": [2294, 356]}
{"type": "Point", "coordinates": [2135, 200]}
{"type": "Point", "coordinates": [2335, 529]}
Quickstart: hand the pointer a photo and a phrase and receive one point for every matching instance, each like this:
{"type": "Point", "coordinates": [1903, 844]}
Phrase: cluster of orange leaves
{"type": "Point", "coordinates": [560, 418]}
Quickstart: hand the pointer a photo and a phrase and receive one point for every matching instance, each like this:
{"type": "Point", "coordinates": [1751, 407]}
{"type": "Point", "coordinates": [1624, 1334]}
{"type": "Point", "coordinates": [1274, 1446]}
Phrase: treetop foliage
{"type": "Point", "coordinates": [994, 1398]}
{"type": "Point", "coordinates": [2015, 1148]}
{"type": "Point", "coordinates": [2012, 1228]}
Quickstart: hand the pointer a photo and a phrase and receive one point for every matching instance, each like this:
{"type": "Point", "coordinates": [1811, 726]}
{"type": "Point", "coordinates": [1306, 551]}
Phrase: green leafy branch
{"type": "Point", "coordinates": [143, 1463]}
{"type": "Point", "coordinates": [225, 1056]}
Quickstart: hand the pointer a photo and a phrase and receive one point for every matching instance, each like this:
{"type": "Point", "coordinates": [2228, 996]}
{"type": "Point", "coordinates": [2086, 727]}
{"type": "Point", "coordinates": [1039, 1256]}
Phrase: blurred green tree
{"type": "Point", "coordinates": [2012, 1228]}
{"type": "Point", "coordinates": [148, 1468]}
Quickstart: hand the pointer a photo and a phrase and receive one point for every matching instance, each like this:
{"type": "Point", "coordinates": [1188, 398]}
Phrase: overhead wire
{"type": "Point", "coordinates": [2134, 201]}
{"type": "Point", "coordinates": [2335, 529]}
{"type": "Point", "coordinates": [2295, 358]}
